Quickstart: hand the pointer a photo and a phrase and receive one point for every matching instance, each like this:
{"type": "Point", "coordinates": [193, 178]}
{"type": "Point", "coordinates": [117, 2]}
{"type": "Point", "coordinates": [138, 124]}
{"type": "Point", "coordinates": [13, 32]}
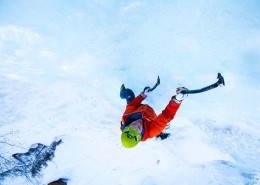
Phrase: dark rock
{"type": "Point", "coordinates": [61, 181]}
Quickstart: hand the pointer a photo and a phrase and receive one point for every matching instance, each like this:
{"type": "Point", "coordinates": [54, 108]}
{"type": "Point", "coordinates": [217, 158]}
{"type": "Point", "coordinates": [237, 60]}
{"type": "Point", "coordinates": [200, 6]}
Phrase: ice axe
{"type": "Point", "coordinates": [212, 86]}
{"type": "Point", "coordinates": [151, 89]}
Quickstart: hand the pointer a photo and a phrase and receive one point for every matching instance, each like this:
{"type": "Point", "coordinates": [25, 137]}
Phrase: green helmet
{"type": "Point", "coordinates": [130, 137]}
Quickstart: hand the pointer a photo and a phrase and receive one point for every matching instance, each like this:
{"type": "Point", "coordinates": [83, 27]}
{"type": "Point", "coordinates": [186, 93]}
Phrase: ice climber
{"type": "Point", "coordinates": [140, 122]}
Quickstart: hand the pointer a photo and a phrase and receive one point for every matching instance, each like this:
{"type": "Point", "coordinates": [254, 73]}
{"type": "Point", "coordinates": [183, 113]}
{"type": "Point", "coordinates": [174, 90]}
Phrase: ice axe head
{"type": "Point", "coordinates": [220, 79]}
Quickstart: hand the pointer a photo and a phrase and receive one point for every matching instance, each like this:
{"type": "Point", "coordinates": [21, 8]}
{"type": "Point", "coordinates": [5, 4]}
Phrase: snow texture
{"type": "Point", "coordinates": [62, 64]}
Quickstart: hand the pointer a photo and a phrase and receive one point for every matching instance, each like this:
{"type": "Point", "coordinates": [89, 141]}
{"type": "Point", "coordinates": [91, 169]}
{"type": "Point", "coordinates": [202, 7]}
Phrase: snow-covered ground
{"type": "Point", "coordinates": [62, 64]}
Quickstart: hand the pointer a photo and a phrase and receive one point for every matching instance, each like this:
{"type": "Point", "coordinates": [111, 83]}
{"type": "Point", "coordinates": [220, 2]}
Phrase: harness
{"type": "Point", "coordinates": [132, 117]}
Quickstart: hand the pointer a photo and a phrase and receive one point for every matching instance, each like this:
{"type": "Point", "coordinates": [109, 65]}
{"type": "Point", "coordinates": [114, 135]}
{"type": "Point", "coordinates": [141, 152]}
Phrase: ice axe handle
{"type": "Point", "coordinates": [212, 86]}
{"type": "Point", "coordinates": [157, 83]}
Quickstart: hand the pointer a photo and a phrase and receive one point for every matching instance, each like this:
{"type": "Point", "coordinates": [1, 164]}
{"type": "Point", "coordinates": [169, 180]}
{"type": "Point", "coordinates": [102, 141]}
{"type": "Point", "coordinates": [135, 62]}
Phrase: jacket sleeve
{"type": "Point", "coordinates": [161, 121]}
{"type": "Point", "coordinates": [137, 101]}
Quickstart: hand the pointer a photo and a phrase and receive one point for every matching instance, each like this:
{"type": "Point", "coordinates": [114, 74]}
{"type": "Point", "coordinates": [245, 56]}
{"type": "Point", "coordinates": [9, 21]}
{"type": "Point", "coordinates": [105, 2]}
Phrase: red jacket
{"type": "Point", "coordinates": [153, 124]}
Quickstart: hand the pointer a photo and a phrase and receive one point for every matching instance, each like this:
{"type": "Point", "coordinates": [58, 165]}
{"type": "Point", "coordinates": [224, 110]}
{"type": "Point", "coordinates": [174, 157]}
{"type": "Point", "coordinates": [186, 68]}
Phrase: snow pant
{"type": "Point", "coordinates": [127, 94]}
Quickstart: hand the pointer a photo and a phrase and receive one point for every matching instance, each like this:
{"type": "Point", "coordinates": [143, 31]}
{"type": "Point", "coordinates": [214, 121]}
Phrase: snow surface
{"type": "Point", "coordinates": [62, 64]}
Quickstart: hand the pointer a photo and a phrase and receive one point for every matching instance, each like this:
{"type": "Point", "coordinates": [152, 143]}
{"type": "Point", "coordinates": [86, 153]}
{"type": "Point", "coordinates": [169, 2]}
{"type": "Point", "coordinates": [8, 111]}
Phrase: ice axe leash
{"type": "Point", "coordinates": [212, 86]}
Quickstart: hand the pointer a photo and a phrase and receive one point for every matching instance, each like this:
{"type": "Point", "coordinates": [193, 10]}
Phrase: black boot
{"type": "Point", "coordinates": [163, 135]}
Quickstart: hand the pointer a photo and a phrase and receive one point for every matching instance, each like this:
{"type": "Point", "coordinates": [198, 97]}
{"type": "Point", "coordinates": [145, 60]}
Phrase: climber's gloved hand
{"type": "Point", "coordinates": [180, 90]}
{"type": "Point", "coordinates": [146, 92]}
{"type": "Point", "coordinates": [180, 95]}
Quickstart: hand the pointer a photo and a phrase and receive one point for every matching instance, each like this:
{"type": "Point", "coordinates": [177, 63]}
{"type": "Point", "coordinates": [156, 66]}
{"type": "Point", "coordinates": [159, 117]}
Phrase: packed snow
{"type": "Point", "coordinates": [62, 64]}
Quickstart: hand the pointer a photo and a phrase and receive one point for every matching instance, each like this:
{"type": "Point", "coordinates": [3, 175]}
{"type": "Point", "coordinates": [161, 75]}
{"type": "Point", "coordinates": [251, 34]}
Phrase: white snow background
{"type": "Point", "coordinates": [62, 64]}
